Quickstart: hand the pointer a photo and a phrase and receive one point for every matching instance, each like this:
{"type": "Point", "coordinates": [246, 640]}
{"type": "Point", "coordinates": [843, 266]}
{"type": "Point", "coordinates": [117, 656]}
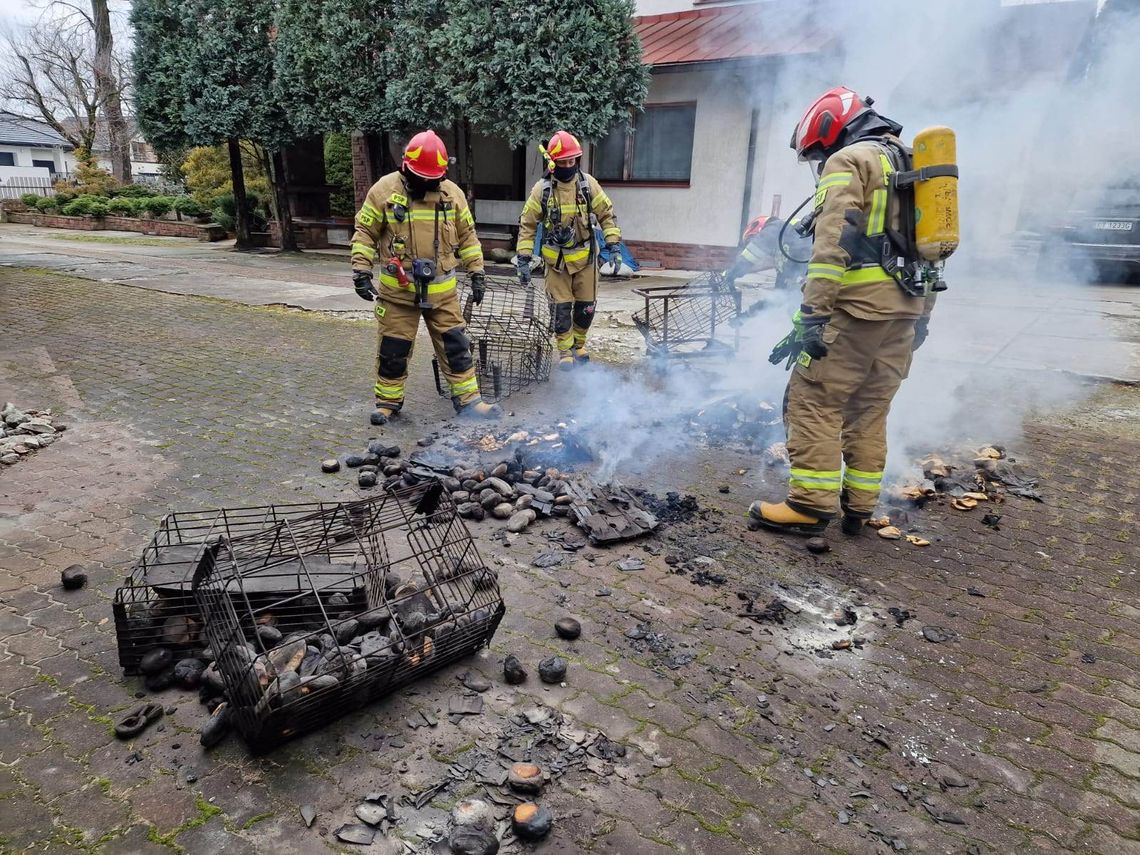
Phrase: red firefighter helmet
{"type": "Point", "coordinates": [824, 121]}
{"type": "Point", "coordinates": [755, 226]}
{"type": "Point", "coordinates": [563, 146]}
{"type": "Point", "coordinates": [426, 155]}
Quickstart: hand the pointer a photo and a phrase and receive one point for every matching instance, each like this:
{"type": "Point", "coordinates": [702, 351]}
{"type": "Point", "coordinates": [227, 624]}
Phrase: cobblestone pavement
{"type": "Point", "coordinates": [1020, 733]}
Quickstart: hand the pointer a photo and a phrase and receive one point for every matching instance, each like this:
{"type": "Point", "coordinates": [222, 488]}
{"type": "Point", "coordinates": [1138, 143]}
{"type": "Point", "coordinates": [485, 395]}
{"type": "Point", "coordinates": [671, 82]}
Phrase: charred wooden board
{"type": "Point", "coordinates": [608, 513]}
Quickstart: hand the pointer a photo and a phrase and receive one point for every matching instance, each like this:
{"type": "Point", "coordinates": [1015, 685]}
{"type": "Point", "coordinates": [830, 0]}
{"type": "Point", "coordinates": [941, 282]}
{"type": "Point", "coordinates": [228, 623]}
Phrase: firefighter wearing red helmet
{"type": "Point", "coordinates": [568, 203]}
{"type": "Point", "coordinates": [416, 227]}
{"type": "Point", "coordinates": [770, 242]}
{"type": "Point", "coordinates": [857, 326]}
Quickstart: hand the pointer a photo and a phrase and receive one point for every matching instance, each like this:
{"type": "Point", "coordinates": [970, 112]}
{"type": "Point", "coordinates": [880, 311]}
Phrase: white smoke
{"type": "Point", "coordinates": [1035, 128]}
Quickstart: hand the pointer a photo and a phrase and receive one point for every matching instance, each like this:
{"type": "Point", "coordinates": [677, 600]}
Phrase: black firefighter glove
{"type": "Point", "coordinates": [522, 266]}
{"type": "Point", "coordinates": [921, 330]}
{"type": "Point", "coordinates": [362, 282]}
{"type": "Point", "coordinates": [812, 336]}
{"type": "Point", "coordinates": [733, 273]}
{"type": "Point", "coordinates": [478, 288]}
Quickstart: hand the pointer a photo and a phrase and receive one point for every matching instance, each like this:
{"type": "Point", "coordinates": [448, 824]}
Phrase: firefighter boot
{"type": "Point", "coordinates": [781, 517]}
{"type": "Point", "coordinates": [480, 410]}
{"type": "Point", "coordinates": [381, 416]}
{"type": "Point", "coordinates": [852, 526]}
{"type": "Point", "coordinates": [566, 360]}
{"type": "Point", "coordinates": [581, 354]}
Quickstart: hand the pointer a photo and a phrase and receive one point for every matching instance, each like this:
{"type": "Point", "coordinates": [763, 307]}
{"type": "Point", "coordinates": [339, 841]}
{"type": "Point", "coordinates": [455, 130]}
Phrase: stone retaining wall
{"type": "Point", "coordinates": [162, 228]}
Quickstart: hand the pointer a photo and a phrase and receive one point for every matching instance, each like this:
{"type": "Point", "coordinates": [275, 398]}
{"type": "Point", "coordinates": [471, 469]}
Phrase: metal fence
{"type": "Point", "coordinates": [14, 188]}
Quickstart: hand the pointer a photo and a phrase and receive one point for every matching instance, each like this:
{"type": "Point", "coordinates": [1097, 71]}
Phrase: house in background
{"type": "Point", "coordinates": [728, 83]}
{"type": "Point", "coordinates": [709, 151]}
{"type": "Point", "coordinates": [145, 166]}
{"type": "Point", "coordinates": [27, 144]}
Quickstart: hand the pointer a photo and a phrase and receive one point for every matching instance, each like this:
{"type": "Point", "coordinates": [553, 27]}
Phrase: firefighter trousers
{"type": "Point", "coordinates": [397, 326]}
{"type": "Point", "coordinates": [572, 298]}
{"type": "Point", "coordinates": [836, 415]}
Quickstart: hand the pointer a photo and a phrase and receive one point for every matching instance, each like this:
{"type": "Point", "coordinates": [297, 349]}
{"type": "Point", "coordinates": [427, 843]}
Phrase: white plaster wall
{"type": "Point", "coordinates": [63, 160]}
{"type": "Point", "coordinates": [661, 7]}
{"type": "Point", "coordinates": [708, 210]}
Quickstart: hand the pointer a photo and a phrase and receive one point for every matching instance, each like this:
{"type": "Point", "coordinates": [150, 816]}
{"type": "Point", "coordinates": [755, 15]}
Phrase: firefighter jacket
{"type": "Point", "coordinates": [390, 224]}
{"type": "Point", "coordinates": [567, 207]}
{"type": "Point", "coordinates": [844, 272]}
{"type": "Point", "coordinates": [763, 250]}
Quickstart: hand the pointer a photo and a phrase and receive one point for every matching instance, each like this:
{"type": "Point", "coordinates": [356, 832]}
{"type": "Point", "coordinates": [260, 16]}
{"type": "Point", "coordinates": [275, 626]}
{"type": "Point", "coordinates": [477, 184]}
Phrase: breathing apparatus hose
{"type": "Point", "coordinates": [802, 227]}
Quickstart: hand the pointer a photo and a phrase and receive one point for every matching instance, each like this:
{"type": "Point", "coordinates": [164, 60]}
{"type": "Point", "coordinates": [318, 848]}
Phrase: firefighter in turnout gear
{"type": "Point", "coordinates": [772, 242]}
{"type": "Point", "coordinates": [858, 324]}
{"type": "Point", "coordinates": [415, 227]}
{"type": "Point", "coordinates": [568, 203]}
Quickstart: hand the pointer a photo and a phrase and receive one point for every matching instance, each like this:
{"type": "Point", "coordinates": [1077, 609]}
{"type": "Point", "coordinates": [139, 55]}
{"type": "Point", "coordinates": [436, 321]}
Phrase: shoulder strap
{"type": "Point", "coordinates": [584, 189]}
{"type": "Point", "coordinates": [545, 201]}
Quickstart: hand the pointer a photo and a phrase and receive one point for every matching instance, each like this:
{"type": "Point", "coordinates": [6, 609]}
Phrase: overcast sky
{"type": "Point", "coordinates": [15, 11]}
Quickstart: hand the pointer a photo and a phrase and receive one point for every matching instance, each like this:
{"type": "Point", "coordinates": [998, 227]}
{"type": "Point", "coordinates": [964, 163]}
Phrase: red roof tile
{"type": "Point", "coordinates": [724, 32]}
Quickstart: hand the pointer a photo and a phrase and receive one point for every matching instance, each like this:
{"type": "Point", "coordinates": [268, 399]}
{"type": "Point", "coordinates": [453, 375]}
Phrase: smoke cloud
{"type": "Point", "coordinates": [1028, 89]}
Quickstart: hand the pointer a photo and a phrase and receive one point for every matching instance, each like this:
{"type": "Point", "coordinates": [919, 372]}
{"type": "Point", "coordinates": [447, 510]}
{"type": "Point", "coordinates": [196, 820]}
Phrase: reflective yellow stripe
{"type": "Point", "coordinates": [835, 179]}
{"type": "Point", "coordinates": [469, 385]}
{"type": "Point", "coordinates": [833, 272]}
{"type": "Point", "coordinates": [859, 480]}
{"type": "Point", "coordinates": [887, 169]}
{"type": "Point", "coordinates": [612, 232]}
{"type": "Point", "coordinates": [877, 221]}
{"type": "Point", "coordinates": [565, 342]}
{"type": "Point", "coordinates": [367, 215]}
{"type": "Point", "coordinates": [433, 287]}
{"type": "Point", "coordinates": [398, 199]}
{"type": "Point", "coordinates": [865, 275]}
{"type": "Point", "coordinates": [471, 252]}
{"type": "Point", "coordinates": [390, 391]}
{"type": "Point", "coordinates": [466, 216]}
{"type": "Point", "coordinates": [832, 474]}
{"type": "Point", "coordinates": [532, 205]}
{"type": "Point", "coordinates": [429, 216]}
{"type": "Point", "coordinates": [551, 252]}
{"type": "Point", "coordinates": [526, 247]}
{"type": "Point", "coordinates": [600, 200]}
{"type": "Point", "coordinates": [748, 255]}
{"type": "Point", "coordinates": [815, 479]}
{"type": "Point", "coordinates": [365, 250]}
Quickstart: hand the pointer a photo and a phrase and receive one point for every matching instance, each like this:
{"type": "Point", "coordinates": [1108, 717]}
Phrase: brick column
{"type": "Point", "coordinates": [363, 175]}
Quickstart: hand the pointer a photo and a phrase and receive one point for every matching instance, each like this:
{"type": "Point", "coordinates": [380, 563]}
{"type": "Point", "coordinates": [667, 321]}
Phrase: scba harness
{"type": "Point", "coordinates": [561, 236]}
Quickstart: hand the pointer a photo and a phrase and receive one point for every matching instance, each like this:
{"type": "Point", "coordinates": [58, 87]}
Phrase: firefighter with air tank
{"type": "Point", "coordinates": [568, 203]}
{"type": "Point", "coordinates": [416, 227]}
{"type": "Point", "coordinates": [885, 217]}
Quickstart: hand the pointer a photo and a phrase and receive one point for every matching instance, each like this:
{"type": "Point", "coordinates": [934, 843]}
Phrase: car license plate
{"type": "Point", "coordinates": [1114, 226]}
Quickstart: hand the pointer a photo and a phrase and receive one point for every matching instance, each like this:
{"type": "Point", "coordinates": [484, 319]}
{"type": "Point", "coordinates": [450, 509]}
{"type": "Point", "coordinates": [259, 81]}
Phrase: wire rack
{"type": "Point", "coordinates": [693, 319]}
{"type": "Point", "coordinates": [367, 596]}
{"type": "Point", "coordinates": [155, 606]}
{"type": "Point", "coordinates": [510, 337]}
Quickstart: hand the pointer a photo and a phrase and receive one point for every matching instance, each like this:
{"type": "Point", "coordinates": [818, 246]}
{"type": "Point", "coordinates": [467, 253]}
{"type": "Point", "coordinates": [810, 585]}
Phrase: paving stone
{"type": "Point", "coordinates": [133, 841]}
{"type": "Point", "coordinates": [248, 431]}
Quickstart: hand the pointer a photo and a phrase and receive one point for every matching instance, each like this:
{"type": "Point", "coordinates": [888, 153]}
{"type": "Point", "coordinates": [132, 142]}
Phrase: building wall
{"type": "Point", "coordinates": [661, 7]}
{"type": "Point", "coordinates": [708, 210]}
{"type": "Point", "coordinates": [24, 156]}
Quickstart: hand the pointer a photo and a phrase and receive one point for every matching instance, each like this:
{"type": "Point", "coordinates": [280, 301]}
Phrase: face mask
{"type": "Point", "coordinates": [565, 173]}
{"type": "Point", "coordinates": [419, 187]}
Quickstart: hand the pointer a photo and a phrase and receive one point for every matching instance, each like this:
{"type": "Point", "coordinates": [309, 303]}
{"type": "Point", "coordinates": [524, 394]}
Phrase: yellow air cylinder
{"type": "Point", "coordinates": [936, 199]}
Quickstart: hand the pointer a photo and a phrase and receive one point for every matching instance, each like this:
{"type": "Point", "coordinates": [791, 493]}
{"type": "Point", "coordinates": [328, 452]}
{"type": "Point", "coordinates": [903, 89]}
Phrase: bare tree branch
{"type": "Point", "coordinates": [48, 75]}
{"type": "Point", "coordinates": [64, 70]}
